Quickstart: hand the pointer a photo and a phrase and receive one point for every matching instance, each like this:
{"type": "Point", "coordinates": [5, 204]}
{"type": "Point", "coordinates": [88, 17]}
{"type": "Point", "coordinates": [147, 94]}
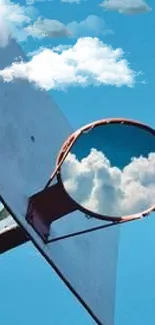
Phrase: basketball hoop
{"type": "Point", "coordinates": [111, 148]}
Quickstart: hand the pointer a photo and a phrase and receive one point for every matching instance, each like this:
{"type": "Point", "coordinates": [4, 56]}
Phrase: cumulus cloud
{"type": "Point", "coordinates": [88, 62]}
{"type": "Point", "coordinates": [46, 28]}
{"type": "Point", "coordinates": [126, 6]}
{"type": "Point", "coordinates": [12, 18]}
{"type": "Point", "coordinates": [105, 189]}
{"type": "Point", "coordinates": [18, 22]}
{"type": "Point", "coordinates": [61, 47]}
{"type": "Point", "coordinates": [91, 26]}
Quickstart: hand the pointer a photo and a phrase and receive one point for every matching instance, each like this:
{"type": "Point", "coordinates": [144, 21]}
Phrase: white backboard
{"type": "Point", "coordinates": [32, 130]}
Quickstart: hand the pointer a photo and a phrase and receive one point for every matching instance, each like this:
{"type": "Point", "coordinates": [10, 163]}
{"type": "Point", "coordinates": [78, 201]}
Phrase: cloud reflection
{"type": "Point", "coordinates": [108, 190]}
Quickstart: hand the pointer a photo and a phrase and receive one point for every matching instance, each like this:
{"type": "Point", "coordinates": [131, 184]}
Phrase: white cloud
{"type": "Point", "coordinates": [88, 62]}
{"type": "Point", "coordinates": [12, 19]}
{"type": "Point", "coordinates": [58, 49]}
{"type": "Point", "coordinates": [61, 47]}
{"type": "Point", "coordinates": [18, 22]}
{"type": "Point", "coordinates": [36, 52]}
{"type": "Point", "coordinates": [91, 26]}
{"type": "Point", "coordinates": [126, 6]}
{"type": "Point", "coordinates": [98, 186]}
{"type": "Point", "coordinates": [46, 28]}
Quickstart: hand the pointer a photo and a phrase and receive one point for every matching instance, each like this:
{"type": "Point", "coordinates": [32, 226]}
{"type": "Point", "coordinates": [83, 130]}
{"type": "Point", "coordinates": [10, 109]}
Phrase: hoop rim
{"type": "Point", "coordinates": [68, 144]}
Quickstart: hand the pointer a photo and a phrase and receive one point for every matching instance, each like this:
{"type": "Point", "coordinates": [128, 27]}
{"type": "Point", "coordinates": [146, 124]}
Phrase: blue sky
{"type": "Point", "coordinates": [135, 39]}
{"type": "Point", "coordinates": [32, 293]}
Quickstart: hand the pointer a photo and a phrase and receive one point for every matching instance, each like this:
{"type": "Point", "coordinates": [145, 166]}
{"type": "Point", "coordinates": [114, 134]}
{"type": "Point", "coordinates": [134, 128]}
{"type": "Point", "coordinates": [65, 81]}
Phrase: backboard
{"type": "Point", "coordinates": [32, 130]}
